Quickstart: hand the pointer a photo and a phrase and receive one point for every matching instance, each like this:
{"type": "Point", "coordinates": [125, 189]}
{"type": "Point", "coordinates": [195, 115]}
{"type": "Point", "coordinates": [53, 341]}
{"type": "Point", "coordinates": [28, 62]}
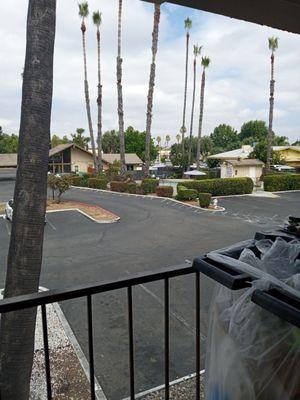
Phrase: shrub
{"type": "Point", "coordinates": [118, 186]}
{"type": "Point", "coordinates": [278, 182]}
{"type": "Point", "coordinates": [186, 194]}
{"type": "Point", "coordinates": [59, 185]}
{"type": "Point", "coordinates": [222, 186]}
{"type": "Point", "coordinates": [149, 185]}
{"type": "Point", "coordinates": [139, 189]}
{"type": "Point", "coordinates": [131, 187]}
{"type": "Point", "coordinates": [204, 199]}
{"type": "Point", "coordinates": [77, 181]}
{"type": "Point", "coordinates": [164, 191]}
{"type": "Point", "coordinates": [97, 183]}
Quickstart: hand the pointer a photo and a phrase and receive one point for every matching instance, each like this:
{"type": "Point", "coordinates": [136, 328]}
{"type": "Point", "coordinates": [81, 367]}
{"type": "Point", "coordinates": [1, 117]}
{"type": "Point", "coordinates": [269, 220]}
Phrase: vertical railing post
{"type": "Point", "coordinates": [91, 345]}
{"type": "Point", "coordinates": [197, 278]}
{"type": "Point", "coordinates": [131, 343]}
{"type": "Point", "coordinates": [167, 341]}
{"type": "Point", "coordinates": [46, 351]}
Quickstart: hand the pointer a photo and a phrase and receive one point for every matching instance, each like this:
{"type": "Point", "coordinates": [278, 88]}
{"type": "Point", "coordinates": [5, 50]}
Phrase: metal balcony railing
{"type": "Point", "coordinates": [53, 296]}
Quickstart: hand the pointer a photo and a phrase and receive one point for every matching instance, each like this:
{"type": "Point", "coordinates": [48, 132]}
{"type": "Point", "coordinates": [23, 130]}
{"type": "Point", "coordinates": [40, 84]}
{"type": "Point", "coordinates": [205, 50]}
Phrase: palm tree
{"type": "Point", "coordinates": [187, 25]}
{"type": "Point", "coordinates": [197, 51]}
{"type": "Point", "coordinates": [205, 64]}
{"type": "Point", "coordinates": [273, 46]}
{"type": "Point", "coordinates": [83, 14]}
{"type": "Point", "coordinates": [26, 240]}
{"type": "Point", "coordinates": [156, 19]}
{"type": "Point", "coordinates": [158, 139]}
{"type": "Point", "coordinates": [97, 19]}
{"type": "Point", "coordinates": [167, 140]}
{"type": "Point", "coordinates": [120, 95]}
{"type": "Point", "coordinates": [178, 137]}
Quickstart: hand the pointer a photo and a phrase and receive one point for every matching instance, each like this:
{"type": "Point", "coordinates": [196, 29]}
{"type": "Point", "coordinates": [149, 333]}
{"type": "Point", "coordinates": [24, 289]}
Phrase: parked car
{"type": "Point", "coordinates": [9, 208]}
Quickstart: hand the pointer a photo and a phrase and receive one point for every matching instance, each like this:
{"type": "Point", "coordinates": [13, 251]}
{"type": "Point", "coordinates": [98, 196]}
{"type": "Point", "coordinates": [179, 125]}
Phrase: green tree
{"type": "Point", "coordinates": [79, 138]}
{"type": "Point", "coordinates": [56, 140]}
{"type": "Point", "coordinates": [296, 143]}
{"type": "Point", "coordinates": [83, 14]}
{"type": "Point", "coordinates": [206, 147]}
{"type": "Point", "coordinates": [8, 143]}
{"type": "Point", "coordinates": [156, 19]}
{"type": "Point", "coordinates": [120, 94]}
{"type": "Point", "coordinates": [253, 131]}
{"type": "Point", "coordinates": [26, 241]}
{"type": "Point", "coordinates": [110, 142]}
{"type": "Point", "coordinates": [225, 138]}
{"type": "Point", "coordinates": [181, 159]}
{"type": "Point", "coordinates": [260, 152]}
{"type": "Point", "coordinates": [197, 51]}
{"type": "Point", "coordinates": [205, 64]}
{"type": "Point", "coordinates": [59, 185]}
{"type": "Point", "coordinates": [273, 45]}
{"type": "Point", "coordinates": [135, 143]}
{"type": "Point", "coordinates": [167, 141]}
{"type": "Point", "coordinates": [178, 138]}
{"type": "Point", "coordinates": [97, 19]}
{"type": "Point", "coordinates": [187, 26]}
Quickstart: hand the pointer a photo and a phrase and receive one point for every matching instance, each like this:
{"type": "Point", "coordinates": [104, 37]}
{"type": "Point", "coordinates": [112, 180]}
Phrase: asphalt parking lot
{"type": "Point", "coordinates": [151, 234]}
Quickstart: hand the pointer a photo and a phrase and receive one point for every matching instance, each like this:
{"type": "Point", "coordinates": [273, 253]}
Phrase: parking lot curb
{"type": "Point", "coordinates": [100, 221]}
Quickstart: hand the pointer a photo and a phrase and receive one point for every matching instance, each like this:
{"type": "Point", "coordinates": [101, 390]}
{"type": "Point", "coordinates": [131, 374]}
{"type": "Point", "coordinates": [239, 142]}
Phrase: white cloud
{"type": "Point", "coordinates": [237, 80]}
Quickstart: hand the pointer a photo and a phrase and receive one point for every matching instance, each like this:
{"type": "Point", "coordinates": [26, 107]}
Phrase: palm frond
{"type": "Point", "coordinates": [273, 43]}
{"type": "Point", "coordinates": [197, 50]}
{"type": "Point", "coordinates": [83, 9]}
{"type": "Point", "coordinates": [97, 18]}
{"type": "Point", "coordinates": [188, 24]}
{"type": "Point", "coordinates": [205, 62]}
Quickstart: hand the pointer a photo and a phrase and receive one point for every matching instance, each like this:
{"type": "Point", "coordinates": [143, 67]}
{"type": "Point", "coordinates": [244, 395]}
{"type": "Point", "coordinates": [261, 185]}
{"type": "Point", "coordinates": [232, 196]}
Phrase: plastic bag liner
{"type": "Point", "coordinates": [251, 353]}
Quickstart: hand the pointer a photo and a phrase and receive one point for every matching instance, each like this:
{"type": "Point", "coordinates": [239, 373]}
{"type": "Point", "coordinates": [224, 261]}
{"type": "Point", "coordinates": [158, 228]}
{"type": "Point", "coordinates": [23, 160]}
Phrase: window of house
{"type": "Point", "coordinates": [236, 172]}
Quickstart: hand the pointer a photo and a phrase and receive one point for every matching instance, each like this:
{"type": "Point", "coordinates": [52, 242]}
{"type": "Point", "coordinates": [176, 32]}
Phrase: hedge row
{"type": "Point", "coordinates": [204, 199]}
{"type": "Point", "coordinates": [118, 186]}
{"type": "Point", "coordinates": [149, 185]}
{"type": "Point", "coordinates": [186, 194]}
{"type": "Point", "coordinates": [221, 186]}
{"type": "Point", "coordinates": [97, 183]}
{"type": "Point", "coordinates": [275, 183]}
{"type": "Point", "coordinates": [164, 191]}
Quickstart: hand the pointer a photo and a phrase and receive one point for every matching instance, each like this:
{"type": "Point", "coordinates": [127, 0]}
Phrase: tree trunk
{"type": "Point", "coordinates": [99, 104]}
{"type": "Point", "coordinates": [120, 95]}
{"type": "Point", "coordinates": [200, 117]}
{"type": "Point", "coordinates": [270, 130]}
{"type": "Point", "coordinates": [192, 116]}
{"type": "Point", "coordinates": [185, 89]}
{"type": "Point", "coordinates": [26, 242]}
{"type": "Point", "coordinates": [151, 86]}
{"type": "Point", "coordinates": [87, 97]}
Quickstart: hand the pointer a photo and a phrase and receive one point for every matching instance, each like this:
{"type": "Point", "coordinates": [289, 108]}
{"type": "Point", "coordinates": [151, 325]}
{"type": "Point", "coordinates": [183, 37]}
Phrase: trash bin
{"type": "Point", "coordinates": [253, 344]}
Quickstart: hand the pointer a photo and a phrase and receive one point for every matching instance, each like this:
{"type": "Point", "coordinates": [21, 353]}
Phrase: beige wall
{"type": "Point", "coordinates": [82, 159]}
{"type": "Point", "coordinates": [230, 171]}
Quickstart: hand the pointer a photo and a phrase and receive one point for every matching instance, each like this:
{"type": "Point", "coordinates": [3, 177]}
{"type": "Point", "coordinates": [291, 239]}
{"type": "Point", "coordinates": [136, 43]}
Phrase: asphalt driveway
{"type": "Point", "coordinates": [151, 234]}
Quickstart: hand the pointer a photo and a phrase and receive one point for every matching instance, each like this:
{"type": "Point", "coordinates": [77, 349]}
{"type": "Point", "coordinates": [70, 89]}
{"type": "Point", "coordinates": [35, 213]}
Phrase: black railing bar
{"type": "Point", "coordinates": [198, 335]}
{"type": "Point", "coordinates": [53, 296]}
{"type": "Point", "coordinates": [167, 340]}
{"type": "Point", "coordinates": [131, 343]}
{"type": "Point", "coordinates": [46, 352]}
{"type": "Point", "coordinates": [91, 346]}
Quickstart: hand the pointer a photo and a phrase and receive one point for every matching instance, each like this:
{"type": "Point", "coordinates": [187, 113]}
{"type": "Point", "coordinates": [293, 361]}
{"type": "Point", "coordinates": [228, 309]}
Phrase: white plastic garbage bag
{"type": "Point", "coordinates": [252, 354]}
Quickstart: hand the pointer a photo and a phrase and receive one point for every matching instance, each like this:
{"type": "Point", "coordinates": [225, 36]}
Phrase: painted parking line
{"type": "Point", "coordinates": [50, 223]}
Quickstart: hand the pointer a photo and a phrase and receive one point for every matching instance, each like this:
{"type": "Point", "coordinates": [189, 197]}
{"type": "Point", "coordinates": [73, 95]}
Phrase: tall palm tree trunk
{"type": "Point", "coordinates": [120, 95]}
{"type": "Point", "coordinates": [271, 110]}
{"type": "Point", "coordinates": [185, 89]}
{"type": "Point", "coordinates": [192, 116]}
{"type": "Point", "coordinates": [87, 97]}
{"type": "Point", "coordinates": [99, 104]}
{"type": "Point", "coordinates": [200, 117]}
{"type": "Point", "coordinates": [26, 241]}
{"type": "Point", "coordinates": [151, 85]}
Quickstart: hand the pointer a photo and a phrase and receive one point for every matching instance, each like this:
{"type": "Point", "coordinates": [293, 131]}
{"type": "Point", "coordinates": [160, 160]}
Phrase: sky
{"type": "Point", "coordinates": [237, 86]}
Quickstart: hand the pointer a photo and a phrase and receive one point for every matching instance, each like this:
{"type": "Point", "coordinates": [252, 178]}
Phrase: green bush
{"type": "Point", "coordinates": [118, 186]}
{"type": "Point", "coordinates": [204, 199]}
{"type": "Point", "coordinates": [275, 183]}
{"type": "Point", "coordinates": [149, 185]}
{"type": "Point", "coordinates": [131, 187]}
{"type": "Point", "coordinates": [139, 189]}
{"type": "Point", "coordinates": [78, 181]}
{"type": "Point", "coordinates": [221, 186]}
{"type": "Point", "coordinates": [164, 191]}
{"type": "Point", "coordinates": [97, 183]}
{"type": "Point", "coordinates": [186, 194]}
